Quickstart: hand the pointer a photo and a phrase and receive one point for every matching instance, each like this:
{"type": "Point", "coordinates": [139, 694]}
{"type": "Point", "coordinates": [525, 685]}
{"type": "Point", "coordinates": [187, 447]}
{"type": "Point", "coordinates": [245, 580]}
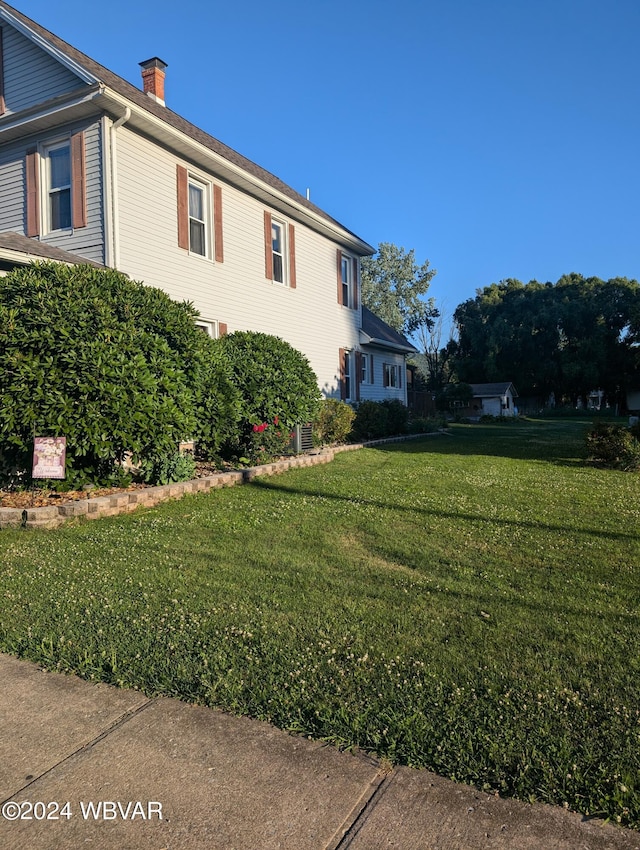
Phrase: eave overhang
{"type": "Point", "coordinates": [96, 99]}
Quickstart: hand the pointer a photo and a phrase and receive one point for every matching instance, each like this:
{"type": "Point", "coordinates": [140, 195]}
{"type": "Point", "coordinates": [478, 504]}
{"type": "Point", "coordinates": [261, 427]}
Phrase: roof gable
{"type": "Point", "coordinates": [93, 72]}
{"type": "Point", "coordinates": [380, 333]}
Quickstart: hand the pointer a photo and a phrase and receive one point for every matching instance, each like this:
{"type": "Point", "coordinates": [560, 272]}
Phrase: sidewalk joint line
{"type": "Point", "coordinates": [359, 813]}
{"type": "Point", "coordinates": [120, 721]}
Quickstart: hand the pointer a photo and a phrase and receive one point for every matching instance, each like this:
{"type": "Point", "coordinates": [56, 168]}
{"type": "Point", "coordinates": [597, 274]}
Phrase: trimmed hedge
{"type": "Point", "coordinates": [278, 390]}
{"type": "Point", "coordinates": [108, 363]}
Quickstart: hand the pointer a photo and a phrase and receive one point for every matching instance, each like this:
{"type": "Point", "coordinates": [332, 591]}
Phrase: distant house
{"type": "Point", "coordinates": [95, 169]}
{"type": "Point", "coordinates": [492, 400]}
{"type": "Point", "coordinates": [633, 401]}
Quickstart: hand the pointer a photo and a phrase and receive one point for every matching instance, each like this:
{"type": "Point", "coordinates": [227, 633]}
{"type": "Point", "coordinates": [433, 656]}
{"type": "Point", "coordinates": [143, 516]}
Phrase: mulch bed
{"type": "Point", "coordinates": [42, 498]}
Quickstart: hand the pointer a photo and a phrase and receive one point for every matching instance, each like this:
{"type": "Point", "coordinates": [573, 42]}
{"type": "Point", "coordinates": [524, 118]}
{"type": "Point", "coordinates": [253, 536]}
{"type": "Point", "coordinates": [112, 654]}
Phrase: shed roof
{"type": "Point", "coordinates": [493, 390]}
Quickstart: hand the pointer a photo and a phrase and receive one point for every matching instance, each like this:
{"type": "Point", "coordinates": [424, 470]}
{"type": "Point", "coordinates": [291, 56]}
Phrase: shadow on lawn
{"type": "Point", "coordinates": [560, 443]}
{"type": "Point", "coordinates": [271, 485]}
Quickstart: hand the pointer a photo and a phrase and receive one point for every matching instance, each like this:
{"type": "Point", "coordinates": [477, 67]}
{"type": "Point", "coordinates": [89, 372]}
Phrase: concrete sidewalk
{"type": "Point", "coordinates": [94, 766]}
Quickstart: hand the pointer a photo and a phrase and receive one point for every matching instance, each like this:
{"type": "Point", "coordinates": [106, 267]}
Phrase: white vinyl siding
{"type": "Point", "coordinates": [31, 75]}
{"type": "Point", "coordinates": [236, 291]}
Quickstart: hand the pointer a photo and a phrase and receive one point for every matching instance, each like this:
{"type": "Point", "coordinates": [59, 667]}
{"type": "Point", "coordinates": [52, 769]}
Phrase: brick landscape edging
{"type": "Point", "coordinates": [120, 503]}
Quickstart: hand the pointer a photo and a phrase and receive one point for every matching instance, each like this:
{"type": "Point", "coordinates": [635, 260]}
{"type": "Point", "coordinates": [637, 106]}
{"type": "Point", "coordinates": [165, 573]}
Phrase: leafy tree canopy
{"type": "Point", "coordinates": [569, 338]}
{"type": "Point", "coordinates": [394, 286]}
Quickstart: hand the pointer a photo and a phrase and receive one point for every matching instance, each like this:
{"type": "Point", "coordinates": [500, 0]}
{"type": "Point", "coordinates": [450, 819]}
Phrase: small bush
{"type": "Point", "coordinates": [277, 388]}
{"type": "Point", "coordinates": [333, 422]}
{"type": "Point", "coordinates": [371, 421]}
{"type": "Point", "coordinates": [167, 468]}
{"type": "Point", "coordinates": [425, 425]}
{"type": "Point", "coordinates": [397, 417]}
{"type": "Point", "coordinates": [614, 446]}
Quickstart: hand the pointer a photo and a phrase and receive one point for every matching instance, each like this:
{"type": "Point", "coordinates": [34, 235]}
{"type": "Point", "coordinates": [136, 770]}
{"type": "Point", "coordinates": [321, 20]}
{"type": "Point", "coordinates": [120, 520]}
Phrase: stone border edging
{"type": "Point", "coordinates": [119, 503]}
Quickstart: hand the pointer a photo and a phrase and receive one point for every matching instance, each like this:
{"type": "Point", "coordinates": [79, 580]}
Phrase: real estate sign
{"type": "Point", "coordinates": [49, 455]}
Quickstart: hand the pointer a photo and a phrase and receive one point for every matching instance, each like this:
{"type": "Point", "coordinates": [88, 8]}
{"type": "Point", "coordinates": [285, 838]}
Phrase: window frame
{"type": "Point", "coordinates": [205, 188]}
{"type": "Point", "coordinates": [211, 327]}
{"type": "Point", "coordinates": [48, 191]}
{"type": "Point", "coordinates": [279, 255]}
{"type": "Point", "coordinates": [391, 376]}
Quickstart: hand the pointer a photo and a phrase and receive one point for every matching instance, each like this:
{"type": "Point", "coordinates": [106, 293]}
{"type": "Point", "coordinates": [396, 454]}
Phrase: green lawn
{"type": "Point", "coordinates": [467, 603]}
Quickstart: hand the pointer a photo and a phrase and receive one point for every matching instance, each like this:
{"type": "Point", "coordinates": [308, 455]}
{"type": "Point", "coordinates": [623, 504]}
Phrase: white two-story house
{"type": "Point", "coordinates": [94, 168]}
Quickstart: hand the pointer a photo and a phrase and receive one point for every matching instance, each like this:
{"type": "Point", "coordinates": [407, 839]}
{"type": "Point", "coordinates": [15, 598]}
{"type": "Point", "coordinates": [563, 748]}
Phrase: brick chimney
{"type": "Point", "coordinates": [153, 79]}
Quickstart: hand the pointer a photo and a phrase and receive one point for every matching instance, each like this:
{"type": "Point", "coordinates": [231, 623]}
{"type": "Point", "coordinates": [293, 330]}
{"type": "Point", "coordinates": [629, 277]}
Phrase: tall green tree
{"type": "Point", "coordinates": [394, 287]}
{"type": "Point", "coordinates": [568, 338]}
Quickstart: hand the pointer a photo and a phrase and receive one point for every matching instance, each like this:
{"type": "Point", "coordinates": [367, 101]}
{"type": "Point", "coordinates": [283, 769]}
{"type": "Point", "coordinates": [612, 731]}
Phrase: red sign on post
{"type": "Point", "coordinates": [49, 455]}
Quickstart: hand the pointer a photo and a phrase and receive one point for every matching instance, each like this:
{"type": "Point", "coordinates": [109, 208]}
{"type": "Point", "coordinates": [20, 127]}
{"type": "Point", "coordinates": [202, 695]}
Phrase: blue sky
{"type": "Point", "coordinates": [497, 138]}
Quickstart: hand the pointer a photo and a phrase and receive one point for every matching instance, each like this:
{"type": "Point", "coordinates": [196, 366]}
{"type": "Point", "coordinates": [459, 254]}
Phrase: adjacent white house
{"type": "Point", "coordinates": [95, 168]}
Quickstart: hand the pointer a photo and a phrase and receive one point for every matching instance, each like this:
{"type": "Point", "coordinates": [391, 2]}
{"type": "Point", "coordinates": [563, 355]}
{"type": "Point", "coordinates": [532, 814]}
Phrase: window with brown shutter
{"type": "Point", "coordinates": [32, 183]}
{"type": "Point", "coordinates": [355, 283]}
{"type": "Point", "coordinates": [217, 224]}
{"type": "Point", "coordinates": [339, 271]}
{"type": "Point", "coordinates": [182, 180]}
{"type": "Point", "coordinates": [358, 376]}
{"type": "Point", "coordinates": [279, 251]}
{"type": "Point", "coordinates": [195, 231]}
{"type": "Point", "coordinates": [342, 356]}
{"type": "Point", "coordinates": [78, 182]}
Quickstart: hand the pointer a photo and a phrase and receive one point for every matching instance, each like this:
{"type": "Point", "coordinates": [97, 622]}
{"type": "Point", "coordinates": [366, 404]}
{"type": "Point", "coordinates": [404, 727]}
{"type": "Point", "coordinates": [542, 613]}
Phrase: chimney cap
{"type": "Point", "coordinates": [154, 62]}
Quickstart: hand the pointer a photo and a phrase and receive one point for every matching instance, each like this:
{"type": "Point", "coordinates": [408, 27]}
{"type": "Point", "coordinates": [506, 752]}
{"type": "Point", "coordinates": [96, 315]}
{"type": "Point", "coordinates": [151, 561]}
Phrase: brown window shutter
{"type": "Point", "coordinates": [268, 246]}
{"type": "Point", "coordinates": [359, 357]}
{"type": "Point", "coordinates": [399, 377]}
{"type": "Point", "coordinates": [372, 373]}
{"type": "Point", "coordinates": [385, 377]}
{"type": "Point", "coordinates": [355, 283]}
{"type": "Point", "coordinates": [182, 184]}
{"type": "Point", "coordinates": [339, 264]}
{"type": "Point", "coordinates": [33, 193]}
{"type": "Point", "coordinates": [217, 223]}
{"type": "Point", "coordinates": [292, 256]}
{"type": "Point", "coordinates": [3, 106]}
{"type": "Point", "coordinates": [343, 387]}
{"type": "Point", "coordinates": [78, 182]}
{"type": "Point", "coordinates": [222, 328]}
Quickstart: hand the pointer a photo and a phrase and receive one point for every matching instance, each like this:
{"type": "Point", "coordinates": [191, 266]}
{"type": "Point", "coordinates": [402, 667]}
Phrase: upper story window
{"type": "Point", "coordinates": [55, 186]}
{"type": "Point", "coordinates": [57, 170]}
{"type": "Point", "coordinates": [197, 218]}
{"type": "Point", "coordinates": [199, 224]}
{"type": "Point", "coordinates": [279, 251]}
{"type": "Point", "coordinates": [347, 280]}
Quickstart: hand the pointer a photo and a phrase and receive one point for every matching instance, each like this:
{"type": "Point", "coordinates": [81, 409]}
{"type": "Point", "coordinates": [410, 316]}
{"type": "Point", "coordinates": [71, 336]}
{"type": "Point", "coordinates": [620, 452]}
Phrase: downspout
{"type": "Point", "coordinates": [114, 259]}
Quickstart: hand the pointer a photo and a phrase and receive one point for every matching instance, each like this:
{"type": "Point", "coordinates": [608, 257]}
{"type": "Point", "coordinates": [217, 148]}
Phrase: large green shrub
{"type": "Point", "coordinates": [371, 422]}
{"type": "Point", "coordinates": [333, 422]}
{"type": "Point", "coordinates": [107, 362]}
{"type": "Point", "coordinates": [377, 419]}
{"type": "Point", "coordinates": [278, 390]}
{"type": "Point", "coordinates": [615, 446]}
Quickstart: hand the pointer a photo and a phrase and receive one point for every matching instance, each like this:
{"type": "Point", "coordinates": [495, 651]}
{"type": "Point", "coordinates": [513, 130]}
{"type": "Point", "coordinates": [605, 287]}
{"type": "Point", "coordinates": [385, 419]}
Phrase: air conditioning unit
{"type": "Point", "coordinates": [302, 438]}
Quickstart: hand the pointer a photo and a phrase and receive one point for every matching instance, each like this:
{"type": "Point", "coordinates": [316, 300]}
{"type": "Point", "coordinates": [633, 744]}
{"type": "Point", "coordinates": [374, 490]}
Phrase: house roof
{"type": "Point", "coordinates": [20, 250]}
{"type": "Point", "coordinates": [376, 332]}
{"type": "Point", "coordinates": [493, 390]}
{"type": "Point", "coordinates": [99, 74]}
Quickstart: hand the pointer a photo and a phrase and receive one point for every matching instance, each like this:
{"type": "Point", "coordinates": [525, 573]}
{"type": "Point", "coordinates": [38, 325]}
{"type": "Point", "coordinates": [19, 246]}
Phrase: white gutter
{"type": "Point", "coordinates": [112, 219]}
{"type": "Point", "coordinates": [23, 119]}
